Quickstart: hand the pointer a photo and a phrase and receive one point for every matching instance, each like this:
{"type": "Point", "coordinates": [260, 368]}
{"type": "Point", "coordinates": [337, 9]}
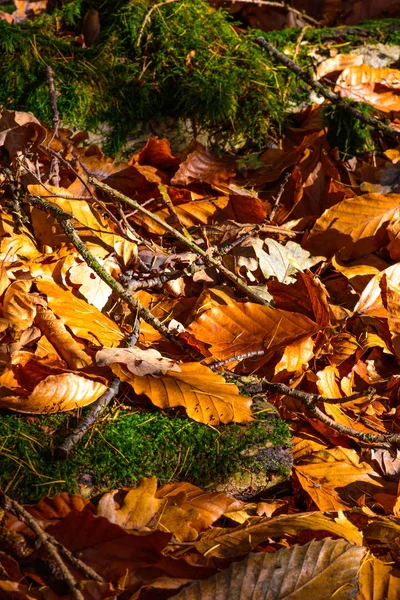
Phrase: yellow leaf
{"type": "Point", "coordinates": [296, 355]}
{"type": "Point", "coordinates": [56, 393]}
{"type": "Point", "coordinates": [205, 395]}
{"type": "Point", "coordinates": [83, 319]}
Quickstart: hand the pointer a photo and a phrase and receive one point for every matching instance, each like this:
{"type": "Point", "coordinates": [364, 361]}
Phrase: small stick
{"type": "Point", "coordinates": [279, 196]}
{"type": "Point", "coordinates": [221, 363]}
{"type": "Point", "coordinates": [310, 401]}
{"type": "Point", "coordinates": [137, 308]}
{"type": "Point", "coordinates": [54, 166]}
{"type": "Point", "coordinates": [18, 510]}
{"type": "Point", "coordinates": [325, 92]}
{"type": "Point", "coordinates": [147, 18]}
{"type": "Point", "coordinates": [211, 262]}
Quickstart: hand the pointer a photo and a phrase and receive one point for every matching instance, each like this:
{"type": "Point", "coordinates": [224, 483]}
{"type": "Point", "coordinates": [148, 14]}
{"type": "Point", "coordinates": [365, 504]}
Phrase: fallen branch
{"type": "Point", "coordinates": [324, 91]}
{"type": "Point", "coordinates": [209, 261]}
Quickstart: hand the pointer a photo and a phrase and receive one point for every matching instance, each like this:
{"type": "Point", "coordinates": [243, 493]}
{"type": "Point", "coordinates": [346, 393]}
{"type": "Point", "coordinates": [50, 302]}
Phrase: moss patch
{"type": "Point", "coordinates": [126, 446]}
{"type": "Point", "coordinates": [184, 60]}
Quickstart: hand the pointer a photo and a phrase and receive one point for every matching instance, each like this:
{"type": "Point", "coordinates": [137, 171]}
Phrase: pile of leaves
{"type": "Point", "coordinates": [200, 280]}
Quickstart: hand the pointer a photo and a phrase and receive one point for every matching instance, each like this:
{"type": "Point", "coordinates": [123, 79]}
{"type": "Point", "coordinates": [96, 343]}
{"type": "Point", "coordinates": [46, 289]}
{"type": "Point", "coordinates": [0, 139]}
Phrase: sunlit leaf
{"type": "Point", "coordinates": [204, 395]}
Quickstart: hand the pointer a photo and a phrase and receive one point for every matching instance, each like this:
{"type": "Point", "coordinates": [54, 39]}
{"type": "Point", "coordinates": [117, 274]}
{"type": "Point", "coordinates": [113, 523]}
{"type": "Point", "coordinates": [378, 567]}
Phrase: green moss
{"type": "Point", "coordinates": [125, 447]}
{"type": "Point", "coordinates": [346, 133]}
{"type": "Point", "coordinates": [186, 61]}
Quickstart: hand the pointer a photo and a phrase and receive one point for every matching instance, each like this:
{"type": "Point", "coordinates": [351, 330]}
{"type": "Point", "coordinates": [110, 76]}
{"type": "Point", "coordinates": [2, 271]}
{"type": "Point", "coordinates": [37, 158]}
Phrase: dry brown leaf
{"type": "Point", "coordinates": [378, 580]}
{"type": "Point", "coordinates": [354, 227]}
{"type": "Point", "coordinates": [296, 355]}
{"type": "Point", "coordinates": [359, 82]}
{"type": "Point", "coordinates": [94, 289]}
{"type": "Point", "coordinates": [62, 340]}
{"type": "Point", "coordinates": [136, 510]}
{"type": "Point", "coordinates": [90, 220]}
{"type": "Point", "coordinates": [370, 302]}
{"type": "Point", "coordinates": [205, 166]}
{"type": "Point", "coordinates": [84, 320]}
{"type": "Point", "coordinates": [337, 63]}
{"type": "Point", "coordinates": [231, 543]}
{"type": "Point", "coordinates": [18, 130]}
{"type": "Point", "coordinates": [19, 305]}
{"type": "Point", "coordinates": [140, 510]}
{"type": "Point", "coordinates": [336, 478]}
{"type": "Point", "coordinates": [210, 505]}
{"type": "Point", "coordinates": [56, 393]}
{"type": "Point", "coordinates": [204, 395]}
{"type": "Point", "coordinates": [299, 572]}
{"type": "Point", "coordinates": [245, 327]}
{"type": "Point", "coordinates": [139, 362]}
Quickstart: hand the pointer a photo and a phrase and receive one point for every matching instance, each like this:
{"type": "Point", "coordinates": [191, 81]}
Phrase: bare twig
{"type": "Point", "coordinates": [54, 166]}
{"type": "Point", "coordinates": [279, 196]}
{"type": "Point", "coordinates": [310, 400]}
{"type": "Point", "coordinates": [324, 91]}
{"type": "Point", "coordinates": [209, 261]}
{"type": "Point", "coordinates": [239, 357]}
{"type": "Point", "coordinates": [136, 307]}
{"type": "Point", "coordinates": [282, 5]}
{"type": "Point", "coordinates": [148, 16]}
{"type": "Point", "coordinates": [63, 450]}
{"type": "Point", "coordinates": [18, 510]}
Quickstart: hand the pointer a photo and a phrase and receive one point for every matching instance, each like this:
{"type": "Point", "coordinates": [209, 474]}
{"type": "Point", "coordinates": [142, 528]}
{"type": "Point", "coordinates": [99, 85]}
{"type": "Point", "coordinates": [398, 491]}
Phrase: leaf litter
{"type": "Point", "coordinates": [318, 336]}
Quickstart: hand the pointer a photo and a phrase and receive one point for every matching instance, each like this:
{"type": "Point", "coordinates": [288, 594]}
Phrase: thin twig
{"type": "Point", "coordinates": [18, 510]}
{"type": "Point", "coordinates": [54, 165]}
{"type": "Point", "coordinates": [310, 400]}
{"type": "Point", "coordinates": [210, 261]}
{"type": "Point", "coordinates": [63, 450]}
{"type": "Point", "coordinates": [147, 18]}
{"type": "Point", "coordinates": [325, 92]}
{"type": "Point", "coordinates": [282, 5]}
{"type": "Point", "coordinates": [279, 196]}
{"type": "Point", "coordinates": [239, 357]}
{"type": "Point", "coordinates": [136, 307]}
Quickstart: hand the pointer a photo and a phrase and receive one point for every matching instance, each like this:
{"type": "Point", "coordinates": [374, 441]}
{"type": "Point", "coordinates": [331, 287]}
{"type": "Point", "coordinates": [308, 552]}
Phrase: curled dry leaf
{"type": "Point", "coordinates": [18, 130]}
{"type": "Point", "coordinates": [84, 320]}
{"type": "Point", "coordinates": [360, 82]}
{"type": "Point", "coordinates": [337, 63]}
{"type": "Point", "coordinates": [229, 543]}
{"type": "Point", "coordinates": [19, 305]}
{"type": "Point", "coordinates": [57, 334]}
{"type": "Point", "coordinates": [141, 510]}
{"type": "Point", "coordinates": [139, 362]}
{"type": "Point", "coordinates": [56, 393]}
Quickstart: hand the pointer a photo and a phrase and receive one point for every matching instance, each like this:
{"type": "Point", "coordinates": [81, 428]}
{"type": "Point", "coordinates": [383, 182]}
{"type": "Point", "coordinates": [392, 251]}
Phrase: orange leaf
{"type": "Point", "coordinates": [354, 227]}
{"type": "Point", "coordinates": [244, 327]}
{"type": "Point", "coordinates": [205, 395]}
{"type": "Point", "coordinates": [57, 393]}
{"type": "Point", "coordinates": [82, 318]}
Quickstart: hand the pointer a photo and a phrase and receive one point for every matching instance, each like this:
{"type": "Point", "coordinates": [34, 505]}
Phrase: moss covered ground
{"type": "Point", "coordinates": [182, 60]}
{"type": "Point", "coordinates": [126, 446]}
